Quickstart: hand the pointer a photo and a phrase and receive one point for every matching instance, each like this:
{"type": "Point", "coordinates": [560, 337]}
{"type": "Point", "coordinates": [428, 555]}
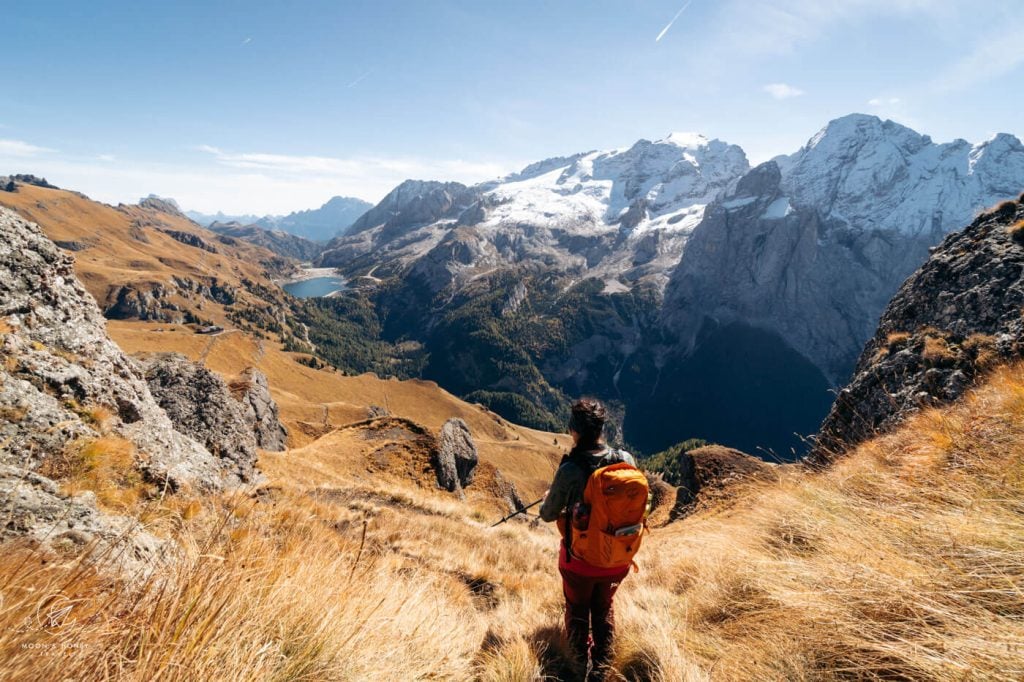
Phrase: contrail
{"type": "Point", "coordinates": [665, 30]}
{"type": "Point", "coordinates": [359, 80]}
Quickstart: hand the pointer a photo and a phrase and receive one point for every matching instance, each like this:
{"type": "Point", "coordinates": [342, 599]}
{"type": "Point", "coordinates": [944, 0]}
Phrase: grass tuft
{"type": "Point", "coordinates": [105, 466]}
{"type": "Point", "coordinates": [1017, 231]}
{"type": "Point", "coordinates": [1005, 209]}
{"type": "Point", "coordinates": [937, 351]}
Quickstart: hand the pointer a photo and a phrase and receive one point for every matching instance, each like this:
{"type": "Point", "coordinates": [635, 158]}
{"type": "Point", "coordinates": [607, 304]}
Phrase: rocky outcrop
{"type": "Point", "coordinates": [142, 301]}
{"type": "Point", "coordinates": [708, 471]}
{"type": "Point", "coordinates": [189, 239]}
{"type": "Point", "coordinates": [955, 317]}
{"type": "Point", "coordinates": [200, 406]}
{"type": "Point", "coordinates": [162, 205]}
{"type": "Point", "coordinates": [10, 183]}
{"type": "Point", "coordinates": [61, 369]}
{"type": "Point", "coordinates": [456, 457]}
{"type": "Point", "coordinates": [506, 493]}
{"type": "Point", "coordinates": [64, 385]}
{"type": "Point", "coordinates": [252, 391]}
{"type": "Point", "coordinates": [155, 301]}
{"type": "Point", "coordinates": [34, 508]}
{"type": "Point", "coordinates": [212, 289]}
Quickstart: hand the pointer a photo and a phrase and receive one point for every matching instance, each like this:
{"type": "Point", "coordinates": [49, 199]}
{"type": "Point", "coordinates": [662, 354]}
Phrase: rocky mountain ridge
{"type": "Point", "coordinates": [959, 315]}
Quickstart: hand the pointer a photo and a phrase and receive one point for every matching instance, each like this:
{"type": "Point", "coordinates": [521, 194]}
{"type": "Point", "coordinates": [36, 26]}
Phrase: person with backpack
{"type": "Point", "coordinates": [600, 500]}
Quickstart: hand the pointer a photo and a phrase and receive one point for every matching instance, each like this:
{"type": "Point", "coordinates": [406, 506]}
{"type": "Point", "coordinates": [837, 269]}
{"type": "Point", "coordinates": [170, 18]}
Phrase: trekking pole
{"type": "Point", "coordinates": [517, 512]}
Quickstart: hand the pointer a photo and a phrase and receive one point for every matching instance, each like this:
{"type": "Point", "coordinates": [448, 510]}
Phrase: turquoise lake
{"type": "Point", "coordinates": [317, 286]}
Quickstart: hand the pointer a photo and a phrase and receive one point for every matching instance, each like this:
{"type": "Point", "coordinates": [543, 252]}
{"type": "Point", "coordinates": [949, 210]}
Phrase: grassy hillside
{"type": "Point", "coordinates": [904, 561]}
{"type": "Point", "coordinates": [313, 402]}
{"type": "Point", "coordinates": [132, 249]}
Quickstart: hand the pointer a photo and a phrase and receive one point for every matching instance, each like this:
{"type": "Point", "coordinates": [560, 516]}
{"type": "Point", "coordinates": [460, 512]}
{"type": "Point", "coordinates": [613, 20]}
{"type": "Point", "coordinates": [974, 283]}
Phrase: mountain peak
{"type": "Point", "coordinates": [855, 128]}
{"type": "Point", "coordinates": [1003, 141]}
{"type": "Point", "coordinates": [161, 204]}
{"type": "Point", "coordinates": [687, 140]}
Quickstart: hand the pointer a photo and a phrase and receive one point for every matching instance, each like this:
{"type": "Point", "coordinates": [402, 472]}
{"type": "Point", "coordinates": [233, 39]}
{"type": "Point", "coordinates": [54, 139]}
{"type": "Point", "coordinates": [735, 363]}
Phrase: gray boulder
{"type": "Point", "coordinates": [507, 493]}
{"type": "Point", "coordinates": [456, 457]}
{"type": "Point", "coordinates": [200, 406]}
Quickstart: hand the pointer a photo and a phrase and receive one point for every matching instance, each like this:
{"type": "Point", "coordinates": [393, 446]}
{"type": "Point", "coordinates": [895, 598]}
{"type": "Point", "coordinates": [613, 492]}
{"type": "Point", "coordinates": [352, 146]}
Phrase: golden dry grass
{"type": "Point", "coordinates": [937, 350]}
{"type": "Point", "coordinates": [105, 466]}
{"type": "Point", "coordinates": [896, 338]}
{"type": "Point", "coordinates": [903, 561]}
{"type": "Point", "coordinates": [983, 349]}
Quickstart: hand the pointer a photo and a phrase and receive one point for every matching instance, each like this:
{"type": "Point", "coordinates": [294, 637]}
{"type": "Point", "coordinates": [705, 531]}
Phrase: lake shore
{"type": "Point", "coordinates": [307, 273]}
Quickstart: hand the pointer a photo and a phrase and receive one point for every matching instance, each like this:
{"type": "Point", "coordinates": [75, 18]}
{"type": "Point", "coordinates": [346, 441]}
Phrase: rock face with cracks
{"type": "Point", "coordinates": [253, 392]}
{"type": "Point", "coordinates": [201, 406]}
{"type": "Point", "coordinates": [65, 385]}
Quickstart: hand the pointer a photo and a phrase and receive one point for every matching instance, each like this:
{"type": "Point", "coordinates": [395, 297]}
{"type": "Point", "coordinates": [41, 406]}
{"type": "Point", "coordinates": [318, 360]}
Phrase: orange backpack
{"type": "Point", "coordinates": [619, 500]}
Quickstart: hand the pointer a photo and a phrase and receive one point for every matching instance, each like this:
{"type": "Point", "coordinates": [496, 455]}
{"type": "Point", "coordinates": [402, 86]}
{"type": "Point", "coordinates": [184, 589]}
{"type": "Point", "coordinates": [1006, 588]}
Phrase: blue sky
{"type": "Point", "coordinates": [274, 106]}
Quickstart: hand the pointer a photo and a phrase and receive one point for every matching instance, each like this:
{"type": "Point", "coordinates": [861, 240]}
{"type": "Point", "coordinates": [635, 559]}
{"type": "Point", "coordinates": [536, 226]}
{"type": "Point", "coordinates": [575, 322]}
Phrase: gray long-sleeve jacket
{"type": "Point", "coordinates": [571, 479]}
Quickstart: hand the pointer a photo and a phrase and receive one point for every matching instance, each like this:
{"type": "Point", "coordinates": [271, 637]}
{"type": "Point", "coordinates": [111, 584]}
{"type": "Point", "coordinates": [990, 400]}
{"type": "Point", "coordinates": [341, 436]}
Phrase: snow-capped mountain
{"type": "Point", "coordinates": [623, 214]}
{"type": "Point", "coordinates": [873, 174]}
{"type": "Point", "coordinates": [811, 246]}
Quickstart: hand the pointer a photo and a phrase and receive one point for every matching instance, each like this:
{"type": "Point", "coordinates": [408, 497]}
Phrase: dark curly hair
{"type": "Point", "coordinates": [587, 418]}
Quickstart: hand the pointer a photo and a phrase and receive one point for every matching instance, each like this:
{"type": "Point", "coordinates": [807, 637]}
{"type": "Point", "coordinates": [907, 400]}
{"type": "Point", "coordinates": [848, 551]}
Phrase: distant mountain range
{"type": "Point", "coordinates": [703, 297]}
{"type": "Point", "coordinates": [318, 224]}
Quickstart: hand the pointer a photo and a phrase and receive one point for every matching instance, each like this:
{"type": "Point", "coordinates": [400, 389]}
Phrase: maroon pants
{"type": "Point", "coordinates": [589, 609]}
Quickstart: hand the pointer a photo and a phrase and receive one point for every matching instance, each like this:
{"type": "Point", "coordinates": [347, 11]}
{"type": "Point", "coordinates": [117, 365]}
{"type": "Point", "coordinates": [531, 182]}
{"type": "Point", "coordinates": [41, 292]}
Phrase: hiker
{"type": "Point", "coordinates": [594, 563]}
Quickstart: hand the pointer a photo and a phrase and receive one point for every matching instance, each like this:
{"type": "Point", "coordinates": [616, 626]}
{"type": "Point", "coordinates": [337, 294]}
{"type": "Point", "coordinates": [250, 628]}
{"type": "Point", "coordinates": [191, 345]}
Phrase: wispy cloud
{"type": "Point", "coordinates": [993, 56]}
{"type": "Point", "coordinates": [782, 90]}
{"type": "Point", "coordinates": [669, 24]}
{"type": "Point", "coordinates": [391, 170]}
{"type": "Point", "coordinates": [241, 182]}
{"type": "Point", "coordinates": [247, 41]}
{"type": "Point", "coordinates": [883, 101]}
{"type": "Point", "coordinates": [19, 149]}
